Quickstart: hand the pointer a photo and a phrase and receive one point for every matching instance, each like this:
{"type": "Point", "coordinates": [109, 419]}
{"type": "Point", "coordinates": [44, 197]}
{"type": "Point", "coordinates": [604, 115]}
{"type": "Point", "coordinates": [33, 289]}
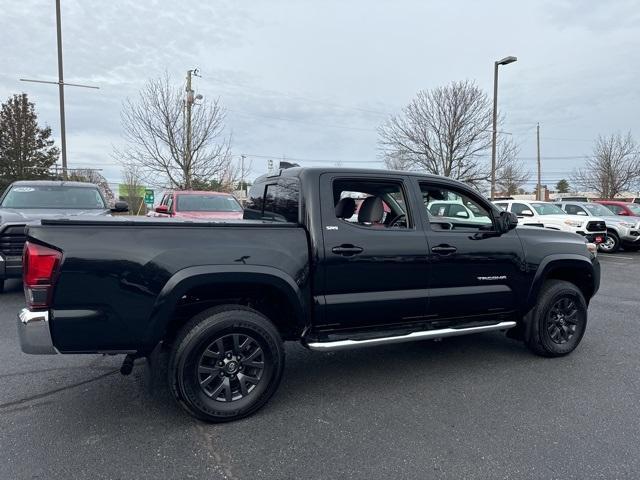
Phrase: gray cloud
{"type": "Point", "coordinates": [294, 74]}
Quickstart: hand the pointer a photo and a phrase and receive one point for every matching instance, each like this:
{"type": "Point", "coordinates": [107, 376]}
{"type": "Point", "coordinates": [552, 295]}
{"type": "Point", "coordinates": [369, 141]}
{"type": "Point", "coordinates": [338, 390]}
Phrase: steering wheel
{"type": "Point", "coordinates": [398, 221]}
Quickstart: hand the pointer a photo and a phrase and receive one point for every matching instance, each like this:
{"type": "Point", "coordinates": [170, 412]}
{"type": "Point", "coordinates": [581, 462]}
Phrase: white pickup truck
{"type": "Point", "coordinates": [548, 215]}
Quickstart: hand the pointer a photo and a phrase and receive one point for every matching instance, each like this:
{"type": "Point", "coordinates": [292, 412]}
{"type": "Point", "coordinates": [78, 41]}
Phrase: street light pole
{"type": "Point", "coordinates": [494, 132]}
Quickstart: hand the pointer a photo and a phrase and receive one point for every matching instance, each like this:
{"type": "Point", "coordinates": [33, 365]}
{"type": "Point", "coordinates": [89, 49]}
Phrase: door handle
{"type": "Point", "coordinates": [347, 250]}
{"type": "Point", "coordinates": [444, 249]}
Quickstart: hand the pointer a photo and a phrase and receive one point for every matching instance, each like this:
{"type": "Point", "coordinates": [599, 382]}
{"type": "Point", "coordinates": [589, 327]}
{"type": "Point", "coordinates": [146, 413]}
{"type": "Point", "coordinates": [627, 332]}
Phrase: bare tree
{"type": "Point", "coordinates": [511, 174]}
{"type": "Point", "coordinates": [396, 161]}
{"type": "Point", "coordinates": [155, 130]}
{"type": "Point", "coordinates": [132, 190]}
{"type": "Point", "coordinates": [93, 176]}
{"type": "Point", "coordinates": [443, 131]}
{"type": "Point", "coordinates": [613, 168]}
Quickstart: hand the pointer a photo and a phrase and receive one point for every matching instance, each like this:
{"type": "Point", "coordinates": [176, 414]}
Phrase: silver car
{"type": "Point", "coordinates": [621, 232]}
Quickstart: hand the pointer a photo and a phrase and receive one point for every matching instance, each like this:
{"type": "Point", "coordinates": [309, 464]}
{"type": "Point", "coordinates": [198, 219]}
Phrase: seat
{"type": "Point", "coordinates": [371, 211]}
{"type": "Point", "coordinates": [345, 208]}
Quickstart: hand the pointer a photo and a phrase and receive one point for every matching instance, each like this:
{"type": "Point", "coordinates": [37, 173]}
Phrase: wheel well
{"type": "Point", "coordinates": [266, 299]}
{"type": "Point", "coordinates": [611, 230]}
{"type": "Point", "coordinates": [577, 276]}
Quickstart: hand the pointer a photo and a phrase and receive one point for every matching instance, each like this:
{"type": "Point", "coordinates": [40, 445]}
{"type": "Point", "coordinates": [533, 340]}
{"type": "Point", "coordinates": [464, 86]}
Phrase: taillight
{"type": "Point", "coordinates": [39, 265]}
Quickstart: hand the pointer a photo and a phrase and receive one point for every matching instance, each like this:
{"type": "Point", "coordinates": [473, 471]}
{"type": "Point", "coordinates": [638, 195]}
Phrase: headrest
{"type": "Point", "coordinates": [346, 207]}
{"type": "Point", "coordinates": [371, 210]}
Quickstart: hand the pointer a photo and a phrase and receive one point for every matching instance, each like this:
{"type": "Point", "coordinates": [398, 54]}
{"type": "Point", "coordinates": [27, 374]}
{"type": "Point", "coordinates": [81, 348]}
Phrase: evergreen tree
{"type": "Point", "coordinates": [562, 186]}
{"type": "Point", "coordinates": [26, 150]}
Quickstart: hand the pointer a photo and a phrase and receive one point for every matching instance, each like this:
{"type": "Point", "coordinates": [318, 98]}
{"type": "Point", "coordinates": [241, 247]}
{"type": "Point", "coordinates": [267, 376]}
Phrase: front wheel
{"type": "Point", "coordinates": [611, 244]}
{"type": "Point", "coordinates": [558, 322]}
{"type": "Point", "coordinates": [226, 363]}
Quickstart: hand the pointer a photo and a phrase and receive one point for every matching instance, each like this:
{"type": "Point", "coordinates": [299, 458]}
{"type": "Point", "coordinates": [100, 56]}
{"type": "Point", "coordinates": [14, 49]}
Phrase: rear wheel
{"type": "Point", "coordinates": [226, 363]}
{"type": "Point", "coordinates": [1, 286]}
{"type": "Point", "coordinates": [558, 322]}
{"type": "Point", "coordinates": [611, 244]}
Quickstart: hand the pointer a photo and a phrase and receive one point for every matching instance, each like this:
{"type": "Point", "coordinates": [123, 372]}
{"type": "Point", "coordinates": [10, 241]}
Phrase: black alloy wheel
{"type": "Point", "coordinates": [231, 367]}
{"type": "Point", "coordinates": [226, 363]}
{"type": "Point", "coordinates": [556, 325]}
{"type": "Point", "coordinates": [562, 320]}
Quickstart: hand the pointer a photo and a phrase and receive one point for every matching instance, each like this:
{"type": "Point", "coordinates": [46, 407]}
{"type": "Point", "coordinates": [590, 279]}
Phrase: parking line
{"type": "Point", "coordinates": [613, 255]}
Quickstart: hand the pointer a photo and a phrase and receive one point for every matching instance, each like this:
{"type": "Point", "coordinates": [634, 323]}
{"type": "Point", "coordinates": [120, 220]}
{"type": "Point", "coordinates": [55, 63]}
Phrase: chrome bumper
{"type": "Point", "coordinates": [35, 336]}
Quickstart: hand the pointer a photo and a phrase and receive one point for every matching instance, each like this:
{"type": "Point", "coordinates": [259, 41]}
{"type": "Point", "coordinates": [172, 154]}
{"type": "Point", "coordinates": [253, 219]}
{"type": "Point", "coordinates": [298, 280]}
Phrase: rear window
{"type": "Point", "coordinates": [53, 196]}
{"type": "Point", "coordinates": [207, 203]}
{"type": "Point", "coordinates": [278, 201]}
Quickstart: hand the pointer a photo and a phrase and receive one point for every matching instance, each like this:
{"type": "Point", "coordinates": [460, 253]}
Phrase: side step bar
{"type": "Point", "coordinates": [424, 335]}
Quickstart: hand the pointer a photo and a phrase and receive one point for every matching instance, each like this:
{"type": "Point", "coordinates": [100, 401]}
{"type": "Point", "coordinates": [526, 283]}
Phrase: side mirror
{"type": "Point", "coordinates": [120, 207]}
{"type": "Point", "coordinates": [507, 221]}
{"type": "Point", "coordinates": [580, 212]}
{"type": "Point", "coordinates": [162, 209]}
{"type": "Point", "coordinates": [526, 213]}
{"type": "Point", "coordinates": [623, 212]}
{"type": "Point", "coordinates": [462, 214]}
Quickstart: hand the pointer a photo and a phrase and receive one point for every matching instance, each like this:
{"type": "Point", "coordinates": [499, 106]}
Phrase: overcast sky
{"type": "Point", "coordinates": [313, 80]}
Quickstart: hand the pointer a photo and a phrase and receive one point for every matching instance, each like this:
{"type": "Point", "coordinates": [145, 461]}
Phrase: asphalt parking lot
{"type": "Point", "coordinates": [472, 407]}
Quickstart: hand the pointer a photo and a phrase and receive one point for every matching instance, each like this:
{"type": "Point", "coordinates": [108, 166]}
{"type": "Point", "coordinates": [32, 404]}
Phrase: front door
{"type": "Point", "coordinates": [375, 253]}
{"type": "Point", "coordinates": [475, 273]}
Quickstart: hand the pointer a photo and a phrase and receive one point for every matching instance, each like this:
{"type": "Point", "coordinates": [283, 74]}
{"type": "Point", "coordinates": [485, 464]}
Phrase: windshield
{"type": "Point", "coordinates": [547, 209]}
{"type": "Point", "coordinates": [207, 203]}
{"type": "Point", "coordinates": [598, 210]}
{"type": "Point", "coordinates": [53, 197]}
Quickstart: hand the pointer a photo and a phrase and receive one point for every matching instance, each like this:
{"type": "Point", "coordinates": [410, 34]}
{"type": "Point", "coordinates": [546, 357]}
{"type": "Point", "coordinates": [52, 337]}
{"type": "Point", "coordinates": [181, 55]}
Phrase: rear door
{"type": "Point", "coordinates": [476, 273]}
{"type": "Point", "coordinates": [375, 259]}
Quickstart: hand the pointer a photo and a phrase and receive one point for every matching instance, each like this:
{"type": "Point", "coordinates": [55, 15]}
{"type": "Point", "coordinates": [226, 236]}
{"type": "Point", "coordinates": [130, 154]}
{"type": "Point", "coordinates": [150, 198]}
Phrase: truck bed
{"type": "Point", "coordinates": [116, 273]}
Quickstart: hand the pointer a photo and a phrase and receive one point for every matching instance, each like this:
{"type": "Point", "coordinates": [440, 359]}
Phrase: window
{"type": "Point", "coordinates": [634, 208]}
{"type": "Point", "coordinates": [370, 203]}
{"type": "Point", "coordinates": [449, 209]}
{"type": "Point", "coordinates": [617, 209]}
{"type": "Point", "coordinates": [574, 210]}
{"type": "Point", "coordinates": [207, 202]}
{"type": "Point", "coordinates": [501, 206]}
{"type": "Point", "coordinates": [521, 210]}
{"type": "Point", "coordinates": [547, 209]}
{"type": "Point", "coordinates": [599, 210]}
{"type": "Point", "coordinates": [278, 201]}
{"type": "Point", "coordinates": [53, 196]}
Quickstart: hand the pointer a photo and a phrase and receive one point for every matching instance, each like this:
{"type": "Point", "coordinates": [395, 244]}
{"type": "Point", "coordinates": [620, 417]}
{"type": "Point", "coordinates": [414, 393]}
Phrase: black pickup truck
{"type": "Point", "coordinates": [333, 258]}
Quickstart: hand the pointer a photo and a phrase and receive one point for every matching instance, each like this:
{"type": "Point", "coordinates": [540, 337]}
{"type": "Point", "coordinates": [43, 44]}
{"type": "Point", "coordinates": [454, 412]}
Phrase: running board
{"type": "Point", "coordinates": [424, 335]}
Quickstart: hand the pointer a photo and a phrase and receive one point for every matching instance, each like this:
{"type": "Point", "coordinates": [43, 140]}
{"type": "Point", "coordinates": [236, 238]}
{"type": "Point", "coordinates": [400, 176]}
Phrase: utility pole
{"type": "Point", "coordinates": [61, 84]}
{"type": "Point", "coordinates": [63, 133]}
{"type": "Point", "coordinates": [539, 189]}
{"type": "Point", "coordinates": [189, 101]}
{"type": "Point", "coordinates": [243, 186]}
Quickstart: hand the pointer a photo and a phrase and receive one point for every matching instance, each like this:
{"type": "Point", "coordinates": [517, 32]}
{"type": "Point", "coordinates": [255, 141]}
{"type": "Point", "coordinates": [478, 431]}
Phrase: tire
{"type": "Point", "coordinates": [1, 286]}
{"type": "Point", "coordinates": [631, 248]}
{"type": "Point", "coordinates": [611, 244]}
{"type": "Point", "coordinates": [552, 330]}
{"type": "Point", "coordinates": [221, 382]}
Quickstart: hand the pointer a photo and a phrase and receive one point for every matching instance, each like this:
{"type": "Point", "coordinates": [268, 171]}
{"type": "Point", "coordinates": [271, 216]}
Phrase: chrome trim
{"type": "Point", "coordinates": [427, 334]}
{"type": "Point", "coordinates": [35, 336]}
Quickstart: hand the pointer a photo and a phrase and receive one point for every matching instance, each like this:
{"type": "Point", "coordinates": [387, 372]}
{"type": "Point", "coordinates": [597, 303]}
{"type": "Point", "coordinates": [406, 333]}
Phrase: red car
{"type": "Point", "coordinates": [621, 208]}
{"type": "Point", "coordinates": [198, 205]}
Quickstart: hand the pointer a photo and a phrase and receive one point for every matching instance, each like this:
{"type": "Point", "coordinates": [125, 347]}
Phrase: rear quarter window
{"type": "Point", "coordinates": [276, 201]}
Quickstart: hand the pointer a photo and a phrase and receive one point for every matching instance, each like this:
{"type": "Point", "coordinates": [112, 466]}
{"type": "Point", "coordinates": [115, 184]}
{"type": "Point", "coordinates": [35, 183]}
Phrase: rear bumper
{"type": "Point", "coordinates": [34, 332]}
